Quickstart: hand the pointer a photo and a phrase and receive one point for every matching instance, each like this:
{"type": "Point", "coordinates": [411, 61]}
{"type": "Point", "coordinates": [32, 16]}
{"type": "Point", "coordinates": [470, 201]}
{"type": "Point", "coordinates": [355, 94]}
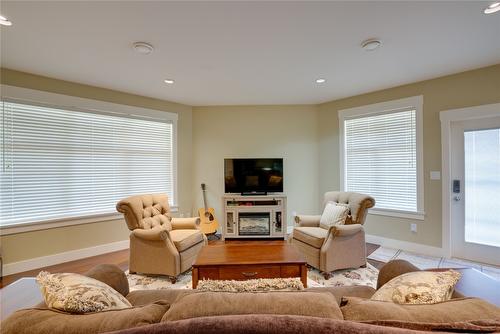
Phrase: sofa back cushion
{"type": "Point", "coordinates": [454, 310]}
{"type": "Point", "coordinates": [47, 321]}
{"type": "Point", "coordinates": [206, 304]}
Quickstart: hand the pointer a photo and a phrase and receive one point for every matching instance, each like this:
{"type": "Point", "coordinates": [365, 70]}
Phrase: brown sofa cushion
{"type": "Point", "coordinates": [455, 310]}
{"type": "Point", "coordinates": [46, 321]}
{"type": "Point", "coordinates": [183, 239]}
{"type": "Point", "coordinates": [145, 297]}
{"type": "Point", "coordinates": [361, 291]}
{"type": "Point", "coordinates": [205, 304]}
{"type": "Point", "coordinates": [263, 324]}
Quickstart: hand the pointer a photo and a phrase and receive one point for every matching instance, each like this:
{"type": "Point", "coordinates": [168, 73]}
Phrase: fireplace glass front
{"type": "Point", "coordinates": [254, 223]}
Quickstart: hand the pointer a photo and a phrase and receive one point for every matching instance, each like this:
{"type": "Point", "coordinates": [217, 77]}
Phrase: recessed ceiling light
{"type": "Point", "coordinates": [493, 8]}
{"type": "Point", "coordinates": [320, 80]}
{"type": "Point", "coordinates": [168, 81]}
{"type": "Point", "coordinates": [143, 48]}
{"type": "Point", "coordinates": [371, 44]}
{"type": "Point", "coordinates": [4, 21]}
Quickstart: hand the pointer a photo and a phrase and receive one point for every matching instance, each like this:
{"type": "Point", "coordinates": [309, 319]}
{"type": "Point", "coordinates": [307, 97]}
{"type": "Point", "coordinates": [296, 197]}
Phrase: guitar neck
{"type": "Point", "coordinates": [204, 197]}
{"type": "Point", "coordinates": [205, 201]}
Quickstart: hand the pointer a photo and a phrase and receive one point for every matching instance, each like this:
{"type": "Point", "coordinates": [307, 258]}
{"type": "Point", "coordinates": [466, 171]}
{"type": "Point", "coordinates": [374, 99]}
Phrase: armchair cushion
{"type": "Point", "coordinates": [183, 239]}
{"type": "Point", "coordinates": [333, 214]}
{"type": "Point", "coordinates": [314, 236]}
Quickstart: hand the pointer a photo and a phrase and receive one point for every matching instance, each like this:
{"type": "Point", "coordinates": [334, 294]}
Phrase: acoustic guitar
{"type": "Point", "coordinates": [208, 223]}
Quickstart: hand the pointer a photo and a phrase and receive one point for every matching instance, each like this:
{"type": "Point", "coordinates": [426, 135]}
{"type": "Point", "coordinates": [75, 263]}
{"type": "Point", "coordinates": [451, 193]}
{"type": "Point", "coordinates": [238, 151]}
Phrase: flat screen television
{"type": "Point", "coordinates": [247, 176]}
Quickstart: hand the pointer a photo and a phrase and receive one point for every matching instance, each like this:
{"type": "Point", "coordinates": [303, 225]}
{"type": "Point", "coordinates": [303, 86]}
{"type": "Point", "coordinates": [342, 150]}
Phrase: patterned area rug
{"type": "Point", "coordinates": [360, 276]}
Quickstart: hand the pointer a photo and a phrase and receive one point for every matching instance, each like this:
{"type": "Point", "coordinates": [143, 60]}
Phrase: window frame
{"type": "Point", "coordinates": [414, 102]}
{"type": "Point", "coordinates": [67, 102]}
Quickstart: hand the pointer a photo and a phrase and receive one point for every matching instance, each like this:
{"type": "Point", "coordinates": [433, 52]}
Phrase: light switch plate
{"type": "Point", "coordinates": [413, 228]}
{"type": "Point", "coordinates": [435, 175]}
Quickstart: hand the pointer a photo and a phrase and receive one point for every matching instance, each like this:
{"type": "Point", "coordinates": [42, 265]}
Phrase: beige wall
{"type": "Point", "coordinates": [289, 132]}
{"type": "Point", "coordinates": [465, 89]}
{"type": "Point", "coordinates": [306, 136]}
{"type": "Point", "coordinates": [28, 245]}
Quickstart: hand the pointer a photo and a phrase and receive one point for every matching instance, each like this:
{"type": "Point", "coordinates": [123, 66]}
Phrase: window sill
{"type": "Point", "coordinates": [398, 214]}
{"type": "Point", "coordinates": [63, 222]}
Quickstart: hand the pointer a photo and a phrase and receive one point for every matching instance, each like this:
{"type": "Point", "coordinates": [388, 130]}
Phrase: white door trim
{"type": "Point", "coordinates": [447, 117]}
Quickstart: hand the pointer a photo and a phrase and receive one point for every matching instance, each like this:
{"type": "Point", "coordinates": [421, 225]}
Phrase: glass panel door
{"type": "Point", "coordinates": [475, 208]}
{"type": "Point", "coordinates": [482, 186]}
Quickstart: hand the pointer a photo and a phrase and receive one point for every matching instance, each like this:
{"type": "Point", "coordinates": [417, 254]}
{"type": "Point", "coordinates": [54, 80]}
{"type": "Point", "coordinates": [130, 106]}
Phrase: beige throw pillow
{"type": "Point", "coordinates": [333, 214]}
{"type": "Point", "coordinates": [79, 294]}
{"type": "Point", "coordinates": [421, 287]}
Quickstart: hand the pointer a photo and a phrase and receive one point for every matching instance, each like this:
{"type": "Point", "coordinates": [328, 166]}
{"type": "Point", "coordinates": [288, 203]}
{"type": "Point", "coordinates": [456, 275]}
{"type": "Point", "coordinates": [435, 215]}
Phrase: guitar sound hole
{"type": "Point", "coordinates": [209, 216]}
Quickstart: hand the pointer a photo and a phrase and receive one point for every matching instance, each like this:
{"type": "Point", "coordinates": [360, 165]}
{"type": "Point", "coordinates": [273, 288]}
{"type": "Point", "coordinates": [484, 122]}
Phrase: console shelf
{"type": "Point", "coordinates": [254, 216]}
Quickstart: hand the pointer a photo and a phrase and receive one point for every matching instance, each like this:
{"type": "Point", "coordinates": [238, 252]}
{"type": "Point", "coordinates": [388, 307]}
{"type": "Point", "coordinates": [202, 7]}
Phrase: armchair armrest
{"type": "Point", "coordinates": [346, 230]}
{"type": "Point", "coordinates": [153, 234]}
{"type": "Point", "coordinates": [307, 220]}
{"type": "Point", "coordinates": [185, 223]}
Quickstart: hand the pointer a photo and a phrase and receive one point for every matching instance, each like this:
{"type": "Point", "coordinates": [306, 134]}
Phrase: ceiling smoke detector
{"type": "Point", "coordinates": [143, 48]}
{"type": "Point", "coordinates": [371, 44]}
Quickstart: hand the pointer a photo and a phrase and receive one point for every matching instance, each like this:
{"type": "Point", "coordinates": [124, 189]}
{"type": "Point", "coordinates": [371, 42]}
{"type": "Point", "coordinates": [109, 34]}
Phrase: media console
{"type": "Point", "coordinates": [254, 216]}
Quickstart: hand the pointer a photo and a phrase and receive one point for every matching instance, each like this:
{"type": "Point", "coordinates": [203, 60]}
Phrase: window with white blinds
{"type": "Point", "coordinates": [59, 164]}
{"type": "Point", "coordinates": [381, 158]}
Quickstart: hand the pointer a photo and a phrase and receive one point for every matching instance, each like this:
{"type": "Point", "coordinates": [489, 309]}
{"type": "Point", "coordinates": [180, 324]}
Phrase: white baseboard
{"type": "Point", "coordinates": [50, 260]}
{"type": "Point", "coordinates": [405, 245]}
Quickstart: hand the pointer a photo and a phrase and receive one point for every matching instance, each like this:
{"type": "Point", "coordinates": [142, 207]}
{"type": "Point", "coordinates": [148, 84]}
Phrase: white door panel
{"type": "Point", "coordinates": [475, 209]}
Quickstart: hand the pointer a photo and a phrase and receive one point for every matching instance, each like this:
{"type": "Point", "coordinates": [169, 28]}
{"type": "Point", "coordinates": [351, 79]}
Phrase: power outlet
{"type": "Point", "coordinates": [413, 228]}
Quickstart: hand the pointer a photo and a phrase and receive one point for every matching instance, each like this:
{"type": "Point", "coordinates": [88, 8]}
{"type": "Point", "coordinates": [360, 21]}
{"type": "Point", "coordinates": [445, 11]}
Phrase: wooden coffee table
{"type": "Point", "coordinates": [243, 262]}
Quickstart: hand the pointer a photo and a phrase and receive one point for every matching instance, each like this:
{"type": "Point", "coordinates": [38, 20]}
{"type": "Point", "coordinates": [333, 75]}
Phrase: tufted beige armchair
{"type": "Point", "coordinates": [340, 246]}
{"type": "Point", "coordinates": [160, 244]}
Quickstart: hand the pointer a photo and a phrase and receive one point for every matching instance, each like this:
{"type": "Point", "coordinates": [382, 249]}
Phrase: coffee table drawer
{"type": "Point", "coordinates": [249, 272]}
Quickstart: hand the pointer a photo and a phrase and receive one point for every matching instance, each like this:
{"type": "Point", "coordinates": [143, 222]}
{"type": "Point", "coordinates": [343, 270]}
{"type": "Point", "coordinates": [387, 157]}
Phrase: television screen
{"type": "Point", "coordinates": [253, 175]}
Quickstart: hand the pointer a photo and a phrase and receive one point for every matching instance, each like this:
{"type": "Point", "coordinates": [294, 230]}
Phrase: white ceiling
{"type": "Point", "coordinates": [229, 53]}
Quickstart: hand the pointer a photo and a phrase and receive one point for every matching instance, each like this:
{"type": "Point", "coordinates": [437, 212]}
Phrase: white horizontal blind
{"type": "Point", "coordinates": [381, 158]}
{"type": "Point", "coordinates": [62, 163]}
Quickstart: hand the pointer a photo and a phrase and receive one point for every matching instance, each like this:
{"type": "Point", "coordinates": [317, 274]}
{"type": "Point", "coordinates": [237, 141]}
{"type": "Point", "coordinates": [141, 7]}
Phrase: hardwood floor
{"type": "Point", "coordinates": [120, 258]}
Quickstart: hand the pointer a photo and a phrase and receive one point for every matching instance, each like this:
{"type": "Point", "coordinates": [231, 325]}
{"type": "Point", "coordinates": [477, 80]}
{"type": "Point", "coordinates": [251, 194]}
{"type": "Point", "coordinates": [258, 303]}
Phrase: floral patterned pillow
{"type": "Point", "coordinates": [79, 294]}
{"type": "Point", "coordinates": [420, 287]}
{"type": "Point", "coordinates": [252, 285]}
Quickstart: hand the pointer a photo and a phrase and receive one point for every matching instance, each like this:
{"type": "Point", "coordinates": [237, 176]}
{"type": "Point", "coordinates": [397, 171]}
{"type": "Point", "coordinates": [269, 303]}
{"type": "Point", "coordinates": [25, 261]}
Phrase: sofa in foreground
{"type": "Point", "coordinates": [313, 310]}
